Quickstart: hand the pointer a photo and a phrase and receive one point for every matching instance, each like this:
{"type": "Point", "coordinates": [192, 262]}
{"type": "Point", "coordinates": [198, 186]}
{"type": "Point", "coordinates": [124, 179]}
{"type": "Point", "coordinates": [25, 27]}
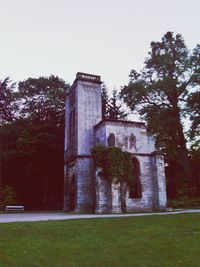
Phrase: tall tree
{"type": "Point", "coordinates": [112, 107]}
{"type": "Point", "coordinates": [7, 100]}
{"type": "Point", "coordinates": [33, 143]}
{"type": "Point", "coordinates": [42, 99]}
{"type": "Point", "coordinates": [115, 109]}
{"type": "Point", "coordinates": [7, 111]}
{"type": "Point", "coordinates": [32, 162]}
{"type": "Point", "coordinates": [159, 92]}
{"type": "Point", "coordinates": [105, 101]}
{"type": "Point", "coordinates": [193, 108]}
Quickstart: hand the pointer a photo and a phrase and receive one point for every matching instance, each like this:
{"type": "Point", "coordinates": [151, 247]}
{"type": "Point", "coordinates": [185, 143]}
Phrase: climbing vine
{"type": "Point", "coordinates": [115, 166]}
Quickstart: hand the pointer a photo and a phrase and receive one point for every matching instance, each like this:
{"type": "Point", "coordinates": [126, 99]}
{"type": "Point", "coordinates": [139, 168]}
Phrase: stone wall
{"type": "Point", "coordinates": [133, 137]}
{"type": "Point", "coordinates": [83, 112]}
{"type": "Point", "coordinates": [159, 183]}
{"type": "Point", "coordinates": [146, 201]}
{"type": "Point", "coordinates": [108, 198]}
{"type": "Point", "coordinates": [85, 178]}
{"type": "Point", "coordinates": [89, 114]}
{"type": "Point", "coordinates": [129, 136]}
{"type": "Point", "coordinates": [103, 201]}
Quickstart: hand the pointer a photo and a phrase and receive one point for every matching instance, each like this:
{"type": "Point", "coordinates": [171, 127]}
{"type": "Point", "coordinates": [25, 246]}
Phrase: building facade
{"type": "Point", "coordinates": [84, 190]}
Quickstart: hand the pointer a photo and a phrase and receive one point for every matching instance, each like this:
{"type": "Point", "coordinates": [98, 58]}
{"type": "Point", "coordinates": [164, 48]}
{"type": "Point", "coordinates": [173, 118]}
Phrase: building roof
{"type": "Point", "coordinates": [120, 123]}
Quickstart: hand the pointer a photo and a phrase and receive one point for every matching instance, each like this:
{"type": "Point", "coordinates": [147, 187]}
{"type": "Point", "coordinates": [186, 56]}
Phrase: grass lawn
{"type": "Point", "coordinates": [170, 240]}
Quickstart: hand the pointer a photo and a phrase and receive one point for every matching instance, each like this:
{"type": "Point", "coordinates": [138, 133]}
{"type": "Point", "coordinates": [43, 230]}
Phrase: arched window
{"type": "Point", "coordinates": [135, 189]}
{"type": "Point", "coordinates": [132, 141]}
{"type": "Point", "coordinates": [111, 140]}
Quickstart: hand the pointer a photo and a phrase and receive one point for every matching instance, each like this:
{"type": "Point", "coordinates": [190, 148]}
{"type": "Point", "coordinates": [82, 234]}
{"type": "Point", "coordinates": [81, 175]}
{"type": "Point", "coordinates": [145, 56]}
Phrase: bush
{"type": "Point", "coordinates": [184, 202]}
{"type": "Point", "coordinates": [7, 196]}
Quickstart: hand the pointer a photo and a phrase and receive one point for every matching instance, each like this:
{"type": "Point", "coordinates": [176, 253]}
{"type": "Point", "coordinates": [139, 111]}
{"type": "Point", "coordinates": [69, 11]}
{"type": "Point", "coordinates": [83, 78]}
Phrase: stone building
{"type": "Point", "coordinates": [84, 190]}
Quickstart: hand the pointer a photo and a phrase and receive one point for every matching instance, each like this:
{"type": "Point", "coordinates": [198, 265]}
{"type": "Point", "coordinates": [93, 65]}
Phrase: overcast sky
{"type": "Point", "coordinates": [104, 37]}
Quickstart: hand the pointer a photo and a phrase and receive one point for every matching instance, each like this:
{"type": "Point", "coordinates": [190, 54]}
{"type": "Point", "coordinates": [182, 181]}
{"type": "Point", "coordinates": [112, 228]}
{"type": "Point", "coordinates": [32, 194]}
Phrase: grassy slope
{"type": "Point", "coordinates": [171, 240]}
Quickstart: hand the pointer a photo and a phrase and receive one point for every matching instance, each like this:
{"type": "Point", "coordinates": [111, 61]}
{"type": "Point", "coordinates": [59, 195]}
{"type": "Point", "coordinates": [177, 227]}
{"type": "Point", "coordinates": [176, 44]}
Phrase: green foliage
{"type": "Point", "coordinates": [105, 101]}
{"type": "Point", "coordinates": [115, 109]}
{"type": "Point", "coordinates": [161, 92]}
{"type": "Point", "coordinates": [7, 101]}
{"type": "Point", "coordinates": [7, 196]}
{"type": "Point", "coordinates": [112, 106]}
{"type": "Point", "coordinates": [194, 110]}
{"type": "Point", "coordinates": [116, 166]}
{"type": "Point", "coordinates": [35, 152]}
{"type": "Point", "coordinates": [195, 159]}
{"type": "Point", "coordinates": [43, 99]}
{"type": "Point", "coordinates": [184, 203]}
{"type": "Point", "coordinates": [32, 143]}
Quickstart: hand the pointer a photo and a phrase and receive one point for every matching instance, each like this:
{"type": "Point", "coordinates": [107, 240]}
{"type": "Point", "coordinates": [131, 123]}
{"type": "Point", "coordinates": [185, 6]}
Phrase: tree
{"type": "Point", "coordinates": [7, 196]}
{"type": "Point", "coordinates": [112, 106]}
{"type": "Point", "coordinates": [105, 101]}
{"type": "Point", "coordinates": [7, 103]}
{"type": "Point", "coordinates": [193, 108]}
{"type": "Point", "coordinates": [195, 159]}
{"type": "Point", "coordinates": [7, 111]}
{"type": "Point", "coordinates": [32, 163]}
{"type": "Point", "coordinates": [33, 143]}
{"type": "Point", "coordinates": [160, 93]}
{"type": "Point", "coordinates": [115, 109]}
{"type": "Point", "coordinates": [43, 99]}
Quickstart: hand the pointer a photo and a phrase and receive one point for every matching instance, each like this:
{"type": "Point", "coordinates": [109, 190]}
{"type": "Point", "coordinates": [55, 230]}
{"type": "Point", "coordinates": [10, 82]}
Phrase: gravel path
{"type": "Point", "coordinates": [33, 217]}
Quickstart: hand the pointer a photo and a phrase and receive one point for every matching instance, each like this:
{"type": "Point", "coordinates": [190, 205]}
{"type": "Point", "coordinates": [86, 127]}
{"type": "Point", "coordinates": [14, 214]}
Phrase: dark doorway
{"type": "Point", "coordinates": [111, 140]}
{"type": "Point", "coordinates": [135, 189]}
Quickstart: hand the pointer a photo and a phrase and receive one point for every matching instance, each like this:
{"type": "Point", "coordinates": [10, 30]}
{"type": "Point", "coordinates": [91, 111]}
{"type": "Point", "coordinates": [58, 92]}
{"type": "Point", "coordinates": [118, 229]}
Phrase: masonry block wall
{"type": "Point", "coordinates": [85, 190]}
{"type": "Point", "coordinates": [133, 137]}
{"type": "Point", "coordinates": [159, 183]}
{"type": "Point", "coordinates": [83, 111]}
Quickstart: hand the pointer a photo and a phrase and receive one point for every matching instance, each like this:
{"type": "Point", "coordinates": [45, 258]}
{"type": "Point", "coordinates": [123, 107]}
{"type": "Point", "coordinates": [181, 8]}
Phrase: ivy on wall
{"type": "Point", "coordinates": [116, 166]}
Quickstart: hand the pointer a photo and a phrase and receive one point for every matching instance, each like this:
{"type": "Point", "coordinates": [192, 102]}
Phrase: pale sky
{"type": "Point", "coordinates": [104, 37]}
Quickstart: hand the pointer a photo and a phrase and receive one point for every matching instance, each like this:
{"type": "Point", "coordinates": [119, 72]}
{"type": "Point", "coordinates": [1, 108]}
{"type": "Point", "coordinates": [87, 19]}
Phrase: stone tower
{"type": "Point", "coordinates": [84, 188]}
{"type": "Point", "coordinates": [83, 112]}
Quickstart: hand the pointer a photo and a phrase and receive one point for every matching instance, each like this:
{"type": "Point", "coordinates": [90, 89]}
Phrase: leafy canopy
{"type": "Point", "coordinates": [7, 101]}
{"type": "Point", "coordinates": [169, 73]}
{"type": "Point", "coordinates": [115, 165]}
{"type": "Point", "coordinates": [162, 93]}
{"type": "Point", "coordinates": [43, 99]}
{"type": "Point", "coordinates": [112, 107]}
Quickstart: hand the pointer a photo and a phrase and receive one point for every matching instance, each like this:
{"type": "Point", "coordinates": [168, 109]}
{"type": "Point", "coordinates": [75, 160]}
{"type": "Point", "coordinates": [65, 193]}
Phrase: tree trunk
{"type": "Point", "coordinates": [185, 162]}
{"type": "Point", "coordinates": [123, 188]}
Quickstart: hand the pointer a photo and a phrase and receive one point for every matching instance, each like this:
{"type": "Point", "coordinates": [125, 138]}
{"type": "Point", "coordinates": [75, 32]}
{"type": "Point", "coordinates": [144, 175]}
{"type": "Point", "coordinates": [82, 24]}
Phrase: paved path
{"type": "Point", "coordinates": [32, 217]}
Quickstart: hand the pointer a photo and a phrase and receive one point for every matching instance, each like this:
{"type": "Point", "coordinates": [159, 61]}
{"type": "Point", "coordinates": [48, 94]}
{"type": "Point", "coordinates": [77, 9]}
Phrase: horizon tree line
{"type": "Point", "coordinates": [165, 93]}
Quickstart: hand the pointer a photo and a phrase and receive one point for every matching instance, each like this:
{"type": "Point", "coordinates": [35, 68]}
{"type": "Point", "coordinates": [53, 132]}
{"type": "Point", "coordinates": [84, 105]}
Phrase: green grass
{"type": "Point", "coordinates": [170, 240]}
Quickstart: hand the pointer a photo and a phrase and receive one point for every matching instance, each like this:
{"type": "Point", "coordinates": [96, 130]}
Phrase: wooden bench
{"type": "Point", "coordinates": [14, 208]}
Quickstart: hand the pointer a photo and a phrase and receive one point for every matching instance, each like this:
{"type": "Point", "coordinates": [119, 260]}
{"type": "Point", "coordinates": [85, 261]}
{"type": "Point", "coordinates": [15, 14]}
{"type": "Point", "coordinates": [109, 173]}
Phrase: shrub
{"type": "Point", "coordinates": [184, 202]}
{"type": "Point", "coordinates": [7, 196]}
